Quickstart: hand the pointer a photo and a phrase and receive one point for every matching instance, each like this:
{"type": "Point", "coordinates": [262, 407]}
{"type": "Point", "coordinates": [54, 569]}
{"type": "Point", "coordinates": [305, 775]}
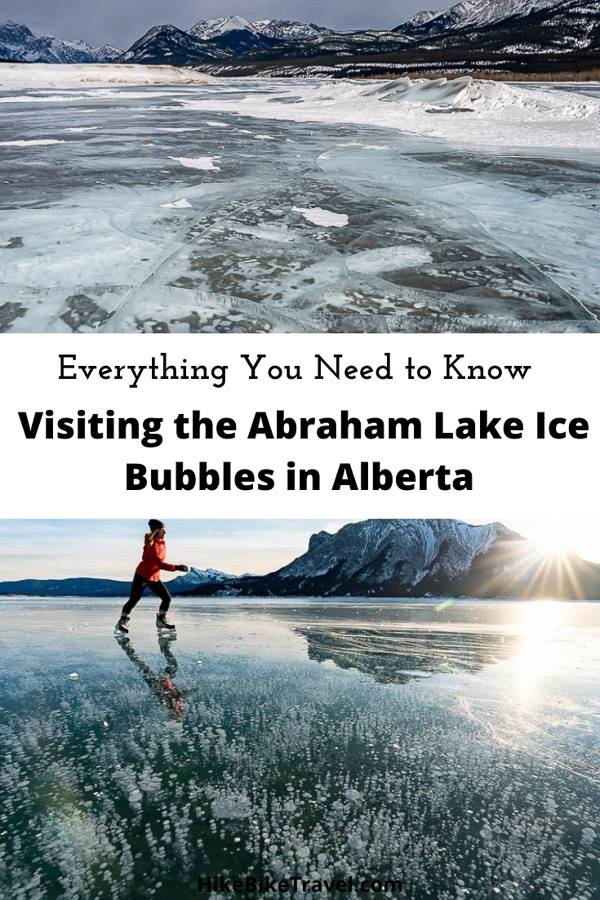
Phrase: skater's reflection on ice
{"type": "Point", "coordinates": [162, 684]}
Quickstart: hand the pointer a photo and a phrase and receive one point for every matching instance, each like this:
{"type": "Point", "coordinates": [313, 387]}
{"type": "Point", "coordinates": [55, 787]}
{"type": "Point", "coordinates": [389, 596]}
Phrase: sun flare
{"type": "Point", "coordinates": [553, 545]}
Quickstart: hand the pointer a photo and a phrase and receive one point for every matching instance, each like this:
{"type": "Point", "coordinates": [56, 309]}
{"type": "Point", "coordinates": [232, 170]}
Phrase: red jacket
{"type": "Point", "coordinates": [153, 560]}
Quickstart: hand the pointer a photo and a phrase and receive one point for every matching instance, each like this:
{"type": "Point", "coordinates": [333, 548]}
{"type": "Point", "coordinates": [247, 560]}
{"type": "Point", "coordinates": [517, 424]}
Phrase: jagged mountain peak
{"type": "Point", "coordinates": [422, 17]}
{"type": "Point", "coordinates": [207, 29]}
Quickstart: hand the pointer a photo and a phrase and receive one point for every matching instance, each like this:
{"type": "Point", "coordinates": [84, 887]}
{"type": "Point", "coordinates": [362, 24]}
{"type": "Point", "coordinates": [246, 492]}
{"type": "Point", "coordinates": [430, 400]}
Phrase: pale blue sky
{"type": "Point", "coordinates": [102, 548]}
{"type": "Point", "coordinates": [118, 23]}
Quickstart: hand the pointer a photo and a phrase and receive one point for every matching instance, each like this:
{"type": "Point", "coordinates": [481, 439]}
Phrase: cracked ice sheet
{"type": "Point", "coordinates": [94, 233]}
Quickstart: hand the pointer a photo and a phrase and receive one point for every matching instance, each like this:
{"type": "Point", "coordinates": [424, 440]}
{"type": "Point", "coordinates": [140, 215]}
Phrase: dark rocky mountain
{"type": "Point", "coordinates": [420, 557]}
{"type": "Point", "coordinates": [570, 28]}
{"type": "Point", "coordinates": [65, 587]}
{"type": "Point", "coordinates": [168, 45]}
{"type": "Point", "coordinates": [105, 587]}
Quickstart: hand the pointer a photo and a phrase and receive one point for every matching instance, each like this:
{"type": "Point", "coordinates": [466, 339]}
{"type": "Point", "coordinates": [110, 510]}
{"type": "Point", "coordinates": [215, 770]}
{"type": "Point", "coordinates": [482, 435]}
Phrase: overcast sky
{"type": "Point", "coordinates": [120, 23]}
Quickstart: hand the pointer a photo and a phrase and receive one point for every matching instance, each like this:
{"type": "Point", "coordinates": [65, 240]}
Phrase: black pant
{"type": "Point", "coordinates": [139, 585]}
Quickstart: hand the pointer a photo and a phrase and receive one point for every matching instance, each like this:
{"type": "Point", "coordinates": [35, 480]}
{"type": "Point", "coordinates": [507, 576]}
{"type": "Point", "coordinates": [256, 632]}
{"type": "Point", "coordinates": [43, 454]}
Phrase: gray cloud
{"type": "Point", "coordinates": [120, 22]}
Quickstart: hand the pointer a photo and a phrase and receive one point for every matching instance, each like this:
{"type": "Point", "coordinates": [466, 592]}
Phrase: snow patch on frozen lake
{"type": "Point", "coordinates": [177, 204]}
{"type": "Point", "coordinates": [206, 163]}
{"type": "Point", "coordinates": [32, 143]}
{"type": "Point", "coordinates": [324, 217]}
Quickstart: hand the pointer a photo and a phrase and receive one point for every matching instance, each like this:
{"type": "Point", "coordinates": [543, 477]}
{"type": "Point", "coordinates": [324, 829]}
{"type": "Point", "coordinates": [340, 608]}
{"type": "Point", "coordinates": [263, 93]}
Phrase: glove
{"type": "Point", "coordinates": [182, 568]}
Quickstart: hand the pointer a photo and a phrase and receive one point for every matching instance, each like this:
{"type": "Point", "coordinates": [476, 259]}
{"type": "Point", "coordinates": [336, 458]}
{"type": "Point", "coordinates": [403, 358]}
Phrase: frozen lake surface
{"type": "Point", "coordinates": [265, 206]}
{"type": "Point", "coordinates": [454, 747]}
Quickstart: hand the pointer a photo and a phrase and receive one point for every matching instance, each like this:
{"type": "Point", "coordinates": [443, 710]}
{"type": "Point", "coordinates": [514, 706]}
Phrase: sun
{"type": "Point", "coordinates": [553, 545]}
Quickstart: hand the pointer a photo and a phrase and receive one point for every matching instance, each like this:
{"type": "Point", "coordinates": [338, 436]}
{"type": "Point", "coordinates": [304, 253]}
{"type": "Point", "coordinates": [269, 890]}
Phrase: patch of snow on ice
{"type": "Point", "coordinates": [319, 216]}
{"type": "Point", "coordinates": [206, 163]}
{"type": "Point", "coordinates": [32, 143]}
{"type": "Point", "coordinates": [177, 204]}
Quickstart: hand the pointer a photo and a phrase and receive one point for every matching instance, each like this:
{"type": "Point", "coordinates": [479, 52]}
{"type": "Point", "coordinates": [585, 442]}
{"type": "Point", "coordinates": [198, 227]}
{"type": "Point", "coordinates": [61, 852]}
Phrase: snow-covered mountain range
{"type": "Point", "coordinates": [279, 29]}
{"type": "Point", "coordinates": [18, 43]}
{"type": "Point", "coordinates": [497, 34]}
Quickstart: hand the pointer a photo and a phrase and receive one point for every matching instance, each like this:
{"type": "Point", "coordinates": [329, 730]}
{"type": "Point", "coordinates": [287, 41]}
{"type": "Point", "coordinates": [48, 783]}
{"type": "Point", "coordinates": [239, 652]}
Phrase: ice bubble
{"type": "Point", "coordinates": [74, 676]}
{"type": "Point", "coordinates": [588, 835]}
{"type": "Point", "coordinates": [353, 795]}
{"type": "Point", "coordinates": [231, 807]}
{"type": "Point", "coordinates": [355, 841]}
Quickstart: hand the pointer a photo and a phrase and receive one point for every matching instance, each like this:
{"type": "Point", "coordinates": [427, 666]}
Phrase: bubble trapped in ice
{"type": "Point", "coordinates": [320, 750]}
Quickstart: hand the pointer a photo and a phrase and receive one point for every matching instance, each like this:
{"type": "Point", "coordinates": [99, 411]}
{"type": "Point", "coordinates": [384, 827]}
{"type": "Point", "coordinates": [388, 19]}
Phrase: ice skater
{"type": "Point", "coordinates": [147, 575]}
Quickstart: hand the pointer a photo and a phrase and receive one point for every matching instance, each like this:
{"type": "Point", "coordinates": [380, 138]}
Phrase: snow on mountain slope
{"type": "Point", "coordinates": [421, 18]}
{"type": "Point", "coordinates": [197, 577]}
{"type": "Point", "coordinates": [487, 12]}
{"type": "Point", "coordinates": [208, 29]}
{"type": "Point", "coordinates": [106, 53]}
{"type": "Point", "coordinates": [378, 550]}
{"type": "Point", "coordinates": [438, 24]}
{"type": "Point", "coordinates": [290, 31]}
{"type": "Point", "coordinates": [280, 29]}
{"type": "Point", "coordinates": [468, 15]}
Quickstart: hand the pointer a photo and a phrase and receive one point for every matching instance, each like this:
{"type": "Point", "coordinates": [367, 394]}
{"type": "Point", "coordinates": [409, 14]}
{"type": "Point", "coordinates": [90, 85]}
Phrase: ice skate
{"type": "Point", "coordinates": [165, 628]}
{"type": "Point", "coordinates": [121, 629]}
